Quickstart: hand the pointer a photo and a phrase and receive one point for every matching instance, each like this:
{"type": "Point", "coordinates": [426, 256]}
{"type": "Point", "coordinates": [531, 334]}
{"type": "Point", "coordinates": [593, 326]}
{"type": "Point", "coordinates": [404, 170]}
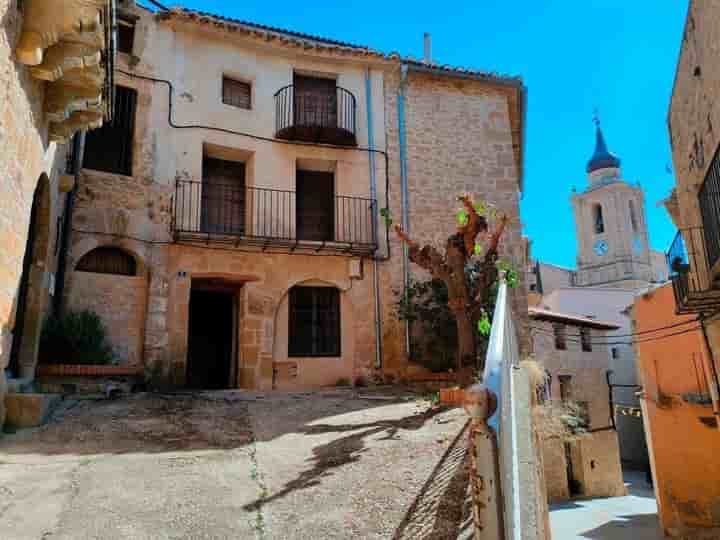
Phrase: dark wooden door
{"type": "Point", "coordinates": [315, 102]}
{"type": "Point", "coordinates": [315, 208]}
{"type": "Point", "coordinates": [223, 197]}
{"type": "Point", "coordinates": [210, 340]}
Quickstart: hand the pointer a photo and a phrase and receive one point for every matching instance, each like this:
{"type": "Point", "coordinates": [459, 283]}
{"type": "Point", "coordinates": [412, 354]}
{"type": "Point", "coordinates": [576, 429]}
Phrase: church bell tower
{"type": "Point", "coordinates": [610, 225]}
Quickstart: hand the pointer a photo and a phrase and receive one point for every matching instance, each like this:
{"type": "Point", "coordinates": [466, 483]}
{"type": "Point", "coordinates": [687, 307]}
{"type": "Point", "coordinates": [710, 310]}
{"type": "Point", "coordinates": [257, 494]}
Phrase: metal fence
{"type": "Point", "coordinates": [709, 199]}
{"type": "Point", "coordinates": [215, 209]}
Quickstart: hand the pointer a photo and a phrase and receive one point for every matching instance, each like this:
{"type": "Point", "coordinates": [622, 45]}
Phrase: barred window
{"type": "Point", "coordinates": [585, 341]}
{"type": "Point", "coordinates": [110, 147]}
{"type": "Point", "coordinates": [108, 260]}
{"type": "Point", "coordinates": [125, 36]}
{"type": "Point", "coordinates": [560, 342]}
{"type": "Point", "coordinates": [314, 321]}
{"type": "Point", "coordinates": [236, 93]}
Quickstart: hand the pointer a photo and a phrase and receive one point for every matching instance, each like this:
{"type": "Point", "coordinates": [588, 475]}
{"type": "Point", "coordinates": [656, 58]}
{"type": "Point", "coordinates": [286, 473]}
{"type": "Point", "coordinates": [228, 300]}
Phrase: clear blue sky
{"type": "Point", "coordinates": [616, 55]}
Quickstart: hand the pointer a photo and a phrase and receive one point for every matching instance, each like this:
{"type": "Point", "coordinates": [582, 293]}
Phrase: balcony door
{"type": "Point", "coordinates": [315, 102]}
{"type": "Point", "coordinates": [223, 197]}
{"type": "Point", "coordinates": [315, 209]}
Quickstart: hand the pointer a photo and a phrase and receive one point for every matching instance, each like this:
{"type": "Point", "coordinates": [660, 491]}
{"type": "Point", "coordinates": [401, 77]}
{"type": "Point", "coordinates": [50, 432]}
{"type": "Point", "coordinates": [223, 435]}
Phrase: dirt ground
{"type": "Point", "coordinates": [219, 465]}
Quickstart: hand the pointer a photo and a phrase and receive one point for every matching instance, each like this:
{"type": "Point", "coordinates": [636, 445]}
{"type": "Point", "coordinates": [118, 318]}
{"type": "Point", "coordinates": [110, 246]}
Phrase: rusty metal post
{"type": "Point", "coordinates": [480, 404]}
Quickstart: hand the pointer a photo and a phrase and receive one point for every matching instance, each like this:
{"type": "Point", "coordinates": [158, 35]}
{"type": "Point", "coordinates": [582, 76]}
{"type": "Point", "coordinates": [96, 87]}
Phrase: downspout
{"type": "Point", "coordinates": [78, 150]}
{"type": "Point", "coordinates": [404, 189]}
{"type": "Point", "coordinates": [373, 196]}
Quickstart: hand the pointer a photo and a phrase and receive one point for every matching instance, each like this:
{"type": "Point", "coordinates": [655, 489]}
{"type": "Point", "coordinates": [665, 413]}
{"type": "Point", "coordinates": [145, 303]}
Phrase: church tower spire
{"type": "Point", "coordinates": [602, 158]}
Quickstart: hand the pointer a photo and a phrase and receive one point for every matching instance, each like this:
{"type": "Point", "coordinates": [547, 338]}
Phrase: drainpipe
{"type": "Point", "coordinates": [78, 145]}
{"type": "Point", "coordinates": [712, 372]}
{"type": "Point", "coordinates": [404, 188]}
{"type": "Point", "coordinates": [373, 196]}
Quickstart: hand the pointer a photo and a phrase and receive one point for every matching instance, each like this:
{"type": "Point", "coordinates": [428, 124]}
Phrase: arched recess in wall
{"type": "Point", "coordinates": [598, 221]}
{"type": "Point", "coordinates": [111, 281]}
{"type": "Point", "coordinates": [32, 294]}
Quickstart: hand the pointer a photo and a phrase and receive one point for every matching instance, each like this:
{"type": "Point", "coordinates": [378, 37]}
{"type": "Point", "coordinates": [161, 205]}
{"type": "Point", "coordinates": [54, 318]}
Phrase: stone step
{"type": "Point", "coordinates": [29, 409]}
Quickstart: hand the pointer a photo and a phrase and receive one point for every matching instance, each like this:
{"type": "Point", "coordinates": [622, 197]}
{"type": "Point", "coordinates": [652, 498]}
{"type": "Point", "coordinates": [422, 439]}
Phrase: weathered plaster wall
{"type": "Point", "coordinates": [25, 157]}
{"type": "Point", "coordinates": [597, 455]}
{"type": "Point", "coordinates": [458, 141]}
{"type": "Point", "coordinates": [683, 449]}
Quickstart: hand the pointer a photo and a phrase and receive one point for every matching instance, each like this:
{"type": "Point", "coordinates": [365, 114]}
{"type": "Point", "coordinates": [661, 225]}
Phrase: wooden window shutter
{"type": "Point", "coordinates": [237, 93]}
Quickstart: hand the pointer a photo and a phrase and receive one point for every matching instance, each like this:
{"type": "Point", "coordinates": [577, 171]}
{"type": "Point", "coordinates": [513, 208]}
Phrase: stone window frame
{"type": "Point", "coordinates": [598, 218]}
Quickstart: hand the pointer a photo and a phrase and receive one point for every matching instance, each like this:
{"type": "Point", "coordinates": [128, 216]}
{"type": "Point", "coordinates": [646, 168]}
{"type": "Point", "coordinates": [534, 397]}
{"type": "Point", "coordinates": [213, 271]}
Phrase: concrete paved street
{"type": "Point", "coordinates": [633, 517]}
{"type": "Point", "coordinates": [232, 465]}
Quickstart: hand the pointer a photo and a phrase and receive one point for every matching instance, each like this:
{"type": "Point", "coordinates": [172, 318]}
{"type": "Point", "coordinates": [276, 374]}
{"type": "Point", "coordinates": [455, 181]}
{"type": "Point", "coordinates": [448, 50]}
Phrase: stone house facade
{"type": "Point", "coordinates": [53, 59]}
{"type": "Point", "coordinates": [226, 225]}
{"type": "Point", "coordinates": [572, 351]}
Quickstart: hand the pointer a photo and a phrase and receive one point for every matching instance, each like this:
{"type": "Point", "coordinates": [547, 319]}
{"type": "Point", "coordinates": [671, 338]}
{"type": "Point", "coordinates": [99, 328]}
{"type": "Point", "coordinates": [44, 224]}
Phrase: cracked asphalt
{"type": "Point", "coordinates": [239, 465]}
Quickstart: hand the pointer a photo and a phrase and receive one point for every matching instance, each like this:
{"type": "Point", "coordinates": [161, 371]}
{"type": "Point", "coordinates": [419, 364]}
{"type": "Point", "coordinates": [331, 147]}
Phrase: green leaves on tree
{"type": "Point", "coordinates": [385, 215]}
{"type": "Point", "coordinates": [484, 325]}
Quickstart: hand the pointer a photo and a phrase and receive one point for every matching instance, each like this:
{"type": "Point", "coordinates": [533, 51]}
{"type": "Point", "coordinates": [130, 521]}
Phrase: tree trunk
{"type": "Point", "coordinates": [466, 338]}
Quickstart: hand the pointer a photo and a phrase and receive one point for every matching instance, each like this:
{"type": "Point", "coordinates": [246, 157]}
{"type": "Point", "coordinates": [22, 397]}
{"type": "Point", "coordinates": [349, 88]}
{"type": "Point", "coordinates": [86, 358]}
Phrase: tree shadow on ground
{"type": "Point", "coordinates": [343, 451]}
{"type": "Point", "coordinates": [628, 527]}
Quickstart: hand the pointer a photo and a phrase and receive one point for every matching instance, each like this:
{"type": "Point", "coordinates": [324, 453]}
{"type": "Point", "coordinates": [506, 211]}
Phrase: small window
{"type": "Point", "coordinates": [565, 387]}
{"type": "Point", "coordinates": [598, 221]}
{"type": "Point", "coordinates": [108, 260]}
{"type": "Point", "coordinates": [615, 353]}
{"type": "Point", "coordinates": [633, 217]}
{"type": "Point", "coordinates": [560, 341]}
{"type": "Point", "coordinates": [110, 147]}
{"type": "Point", "coordinates": [533, 287]}
{"type": "Point", "coordinates": [125, 36]}
{"type": "Point", "coordinates": [314, 321]}
{"type": "Point", "coordinates": [236, 93]}
{"type": "Point", "coordinates": [585, 339]}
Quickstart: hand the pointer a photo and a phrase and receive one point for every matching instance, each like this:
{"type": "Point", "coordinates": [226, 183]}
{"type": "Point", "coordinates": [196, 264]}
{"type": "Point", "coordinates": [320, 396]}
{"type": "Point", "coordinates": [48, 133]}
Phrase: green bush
{"type": "Point", "coordinates": [76, 337]}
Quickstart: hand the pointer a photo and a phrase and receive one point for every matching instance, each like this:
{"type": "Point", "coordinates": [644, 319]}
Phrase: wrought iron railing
{"type": "Point", "coordinates": [689, 272]}
{"type": "Point", "coordinates": [244, 214]}
{"type": "Point", "coordinates": [328, 117]}
{"type": "Point", "coordinates": [709, 199]}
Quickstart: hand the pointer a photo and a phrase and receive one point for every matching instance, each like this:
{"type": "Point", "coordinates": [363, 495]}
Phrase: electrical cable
{"type": "Point", "coordinates": [656, 329]}
{"type": "Point", "coordinates": [644, 340]}
{"type": "Point", "coordinates": [171, 123]}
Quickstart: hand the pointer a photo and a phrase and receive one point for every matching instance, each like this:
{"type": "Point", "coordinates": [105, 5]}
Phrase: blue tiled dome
{"type": "Point", "coordinates": [602, 158]}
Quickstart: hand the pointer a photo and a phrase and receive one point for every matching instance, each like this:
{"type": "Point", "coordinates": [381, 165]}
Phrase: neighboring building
{"type": "Point", "coordinates": [694, 204]}
{"type": "Point", "coordinates": [54, 81]}
{"type": "Point", "coordinates": [571, 349]}
{"type": "Point", "coordinates": [683, 439]}
{"type": "Point", "coordinates": [233, 239]}
{"type": "Point", "coordinates": [614, 261]}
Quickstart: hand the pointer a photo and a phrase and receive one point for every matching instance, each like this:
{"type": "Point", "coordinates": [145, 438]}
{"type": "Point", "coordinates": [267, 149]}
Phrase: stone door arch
{"type": "Point", "coordinates": [32, 292]}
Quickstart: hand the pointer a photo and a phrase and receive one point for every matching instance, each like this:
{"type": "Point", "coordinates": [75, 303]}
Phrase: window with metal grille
{"type": "Point", "coordinates": [314, 321]}
{"type": "Point", "coordinates": [560, 341]}
{"type": "Point", "coordinates": [110, 147]}
{"type": "Point", "coordinates": [125, 36]}
{"type": "Point", "coordinates": [236, 93]}
{"type": "Point", "coordinates": [108, 260]}
{"type": "Point", "coordinates": [585, 341]}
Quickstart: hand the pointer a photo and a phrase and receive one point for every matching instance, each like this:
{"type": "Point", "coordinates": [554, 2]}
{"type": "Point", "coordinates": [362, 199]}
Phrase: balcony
{"type": "Point", "coordinates": [709, 202]}
{"type": "Point", "coordinates": [69, 44]}
{"type": "Point", "coordinates": [273, 218]}
{"type": "Point", "coordinates": [325, 115]}
{"type": "Point", "coordinates": [687, 261]}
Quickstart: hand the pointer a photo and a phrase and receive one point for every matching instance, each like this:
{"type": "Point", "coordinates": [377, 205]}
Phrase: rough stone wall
{"type": "Point", "coordinates": [120, 302]}
{"type": "Point", "coordinates": [25, 156]}
{"type": "Point", "coordinates": [694, 118]}
{"type": "Point", "coordinates": [458, 141]}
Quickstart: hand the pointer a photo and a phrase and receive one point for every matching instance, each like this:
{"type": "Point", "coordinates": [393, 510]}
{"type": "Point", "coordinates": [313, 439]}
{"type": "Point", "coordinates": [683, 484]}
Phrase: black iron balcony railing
{"type": "Point", "coordinates": [687, 261]}
{"type": "Point", "coordinates": [316, 116]}
{"type": "Point", "coordinates": [225, 212]}
{"type": "Point", "coordinates": [709, 199]}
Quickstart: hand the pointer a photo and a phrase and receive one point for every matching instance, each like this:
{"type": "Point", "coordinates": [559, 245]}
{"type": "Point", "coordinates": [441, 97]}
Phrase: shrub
{"type": "Point", "coordinates": [75, 337]}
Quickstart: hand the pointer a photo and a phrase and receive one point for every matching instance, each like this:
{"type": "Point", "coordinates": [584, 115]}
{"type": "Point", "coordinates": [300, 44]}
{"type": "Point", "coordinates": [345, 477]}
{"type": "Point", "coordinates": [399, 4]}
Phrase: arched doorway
{"type": "Point", "coordinates": [32, 293]}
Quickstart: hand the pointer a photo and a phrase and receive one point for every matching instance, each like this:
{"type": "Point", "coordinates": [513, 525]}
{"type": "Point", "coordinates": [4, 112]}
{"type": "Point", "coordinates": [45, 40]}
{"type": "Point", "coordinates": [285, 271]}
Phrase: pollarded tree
{"type": "Point", "coordinates": [470, 294]}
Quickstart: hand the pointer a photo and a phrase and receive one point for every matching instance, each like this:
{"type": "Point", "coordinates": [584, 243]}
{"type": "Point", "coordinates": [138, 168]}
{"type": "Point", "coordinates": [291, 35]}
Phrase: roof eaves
{"type": "Point", "coordinates": [544, 314]}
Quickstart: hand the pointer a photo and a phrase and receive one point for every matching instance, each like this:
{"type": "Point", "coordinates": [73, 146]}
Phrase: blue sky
{"type": "Point", "coordinates": [616, 55]}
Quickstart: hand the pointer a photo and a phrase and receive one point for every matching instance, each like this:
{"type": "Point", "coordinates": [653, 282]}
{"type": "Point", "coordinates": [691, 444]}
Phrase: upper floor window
{"type": "Point", "coordinates": [585, 341]}
{"type": "Point", "coordinates": [108, 260]}
{"type": "Point", "coordinates": [598, 221]}
{"type": "Point", "coordinates": [125, 35]}
{"type": "Point", "coordinates": [315, 212]}
{"type": "Point", "coordinates": [314, 321]}
{"type": "Point", "coordinates": [110, 147]}
{"type": "Point", "coordinates": [236, 93]}
{"type": "Point", "coordinates": [633, 217]}
{"type": "Point", "coordinates": [565, 387]}
{"type": "Point", "coordinates": [560, 338]}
